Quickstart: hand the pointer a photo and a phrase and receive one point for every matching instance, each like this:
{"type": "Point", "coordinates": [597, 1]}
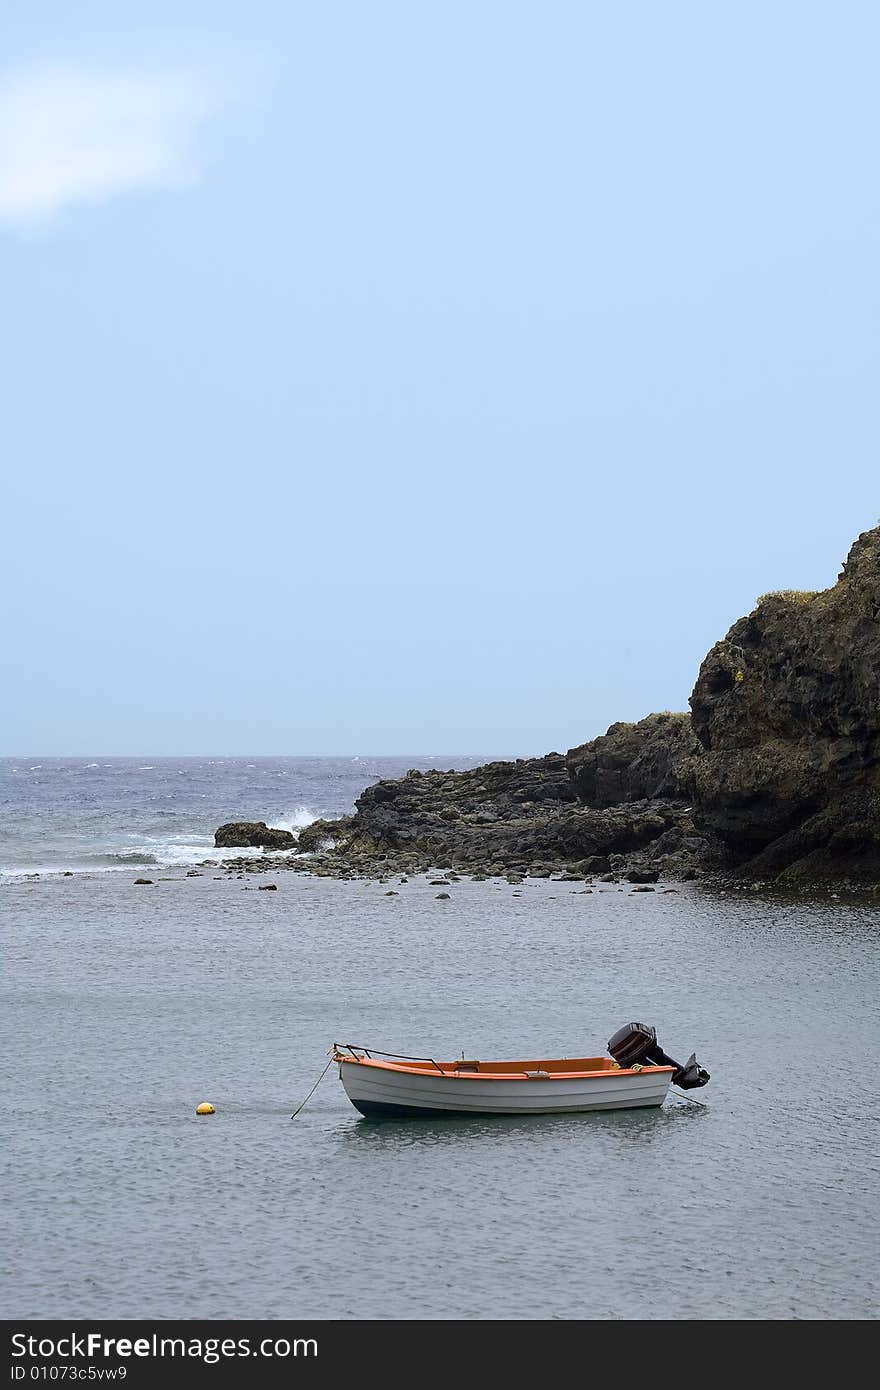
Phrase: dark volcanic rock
{"type": "Point", "coordinates": [322, 833]}
{"type": "Point", "coordinates": [521, 817]}
{"type": "Point", "coordinates": [480, 815]}
{"type": "Point", "coordinates": [252, 834]}
{"type": "Point", "coordinates": [776, 768]}
{"type": "Point", "coordinates": [634, 762]}
{"type": "Point", "coordinates": [787, 714]}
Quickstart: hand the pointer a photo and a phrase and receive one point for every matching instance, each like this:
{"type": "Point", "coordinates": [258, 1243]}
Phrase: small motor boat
{"type": "Point", "coordinates": [637, 1073]}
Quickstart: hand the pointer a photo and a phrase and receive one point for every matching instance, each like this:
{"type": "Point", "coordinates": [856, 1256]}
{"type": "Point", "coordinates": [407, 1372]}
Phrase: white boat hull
{"type": "Point", "coordinates": [388, 1093]}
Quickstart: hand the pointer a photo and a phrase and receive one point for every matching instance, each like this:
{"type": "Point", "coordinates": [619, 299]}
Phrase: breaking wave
{"type": "Point", "coordinates": [133, 856]}
{"type": "Point", "coordinates": [173, 853]}
{"type": "Point", "coordinates": [297, 820]}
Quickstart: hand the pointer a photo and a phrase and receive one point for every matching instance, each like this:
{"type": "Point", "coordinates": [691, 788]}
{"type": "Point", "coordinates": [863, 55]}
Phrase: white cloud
{"type": "Point", "coordinates": [74, 134]}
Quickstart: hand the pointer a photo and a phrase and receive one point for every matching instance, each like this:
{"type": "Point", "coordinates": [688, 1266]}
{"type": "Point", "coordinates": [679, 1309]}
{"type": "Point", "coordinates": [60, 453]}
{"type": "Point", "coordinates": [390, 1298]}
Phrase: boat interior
{"type": "Point", "coordinates": [545, 1066]}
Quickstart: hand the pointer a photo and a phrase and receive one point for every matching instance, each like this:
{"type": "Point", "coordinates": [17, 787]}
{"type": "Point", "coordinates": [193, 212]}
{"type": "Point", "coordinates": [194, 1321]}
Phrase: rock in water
{"type": "Point", "coordinates": [252, 835]}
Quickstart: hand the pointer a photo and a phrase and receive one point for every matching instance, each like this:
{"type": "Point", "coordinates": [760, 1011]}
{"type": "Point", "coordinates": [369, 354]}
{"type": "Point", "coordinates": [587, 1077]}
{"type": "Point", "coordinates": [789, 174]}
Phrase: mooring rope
{"type": "Point", "coordinates": [314, 1088]}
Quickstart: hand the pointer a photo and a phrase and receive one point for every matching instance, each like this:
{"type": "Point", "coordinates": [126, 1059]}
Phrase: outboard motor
{"type": "Point", "coordinates": [637, 1042]}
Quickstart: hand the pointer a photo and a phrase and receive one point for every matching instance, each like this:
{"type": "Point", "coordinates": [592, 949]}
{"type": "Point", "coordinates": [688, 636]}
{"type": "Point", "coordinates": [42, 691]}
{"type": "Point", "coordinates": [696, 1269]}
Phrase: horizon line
{"type": "Point", "coordinates": [9, 757]}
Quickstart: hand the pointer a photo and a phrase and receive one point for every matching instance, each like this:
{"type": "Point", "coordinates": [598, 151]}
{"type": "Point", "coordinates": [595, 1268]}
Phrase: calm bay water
{"type": "Point", "coordinates": [126, 1006]}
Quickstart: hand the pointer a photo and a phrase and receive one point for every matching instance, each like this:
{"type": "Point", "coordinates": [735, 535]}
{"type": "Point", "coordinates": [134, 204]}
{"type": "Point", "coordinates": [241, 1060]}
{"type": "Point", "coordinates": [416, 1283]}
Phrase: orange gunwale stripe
{"type": "Point", "coordinates": [453, 1075]}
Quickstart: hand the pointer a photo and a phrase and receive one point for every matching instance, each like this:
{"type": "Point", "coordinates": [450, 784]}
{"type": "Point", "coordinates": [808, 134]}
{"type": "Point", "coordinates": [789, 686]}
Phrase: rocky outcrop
{"type": "Point", "coordinates": [786, 713]}
{"type": "Point", "coordinates": [519, 817]}
{"type": "Point", "coordinates": [496, 814]}
{"type": "Point", "coordinates": [252, 835]}
{"type": "Point", "coordinates": [776, 772]}
{"type": "Point", "coordinates": [635, 762]}
{"type": "Point", "coordinates": [323, 834]}
{"type": "Point", "coordinates": [493, 795]}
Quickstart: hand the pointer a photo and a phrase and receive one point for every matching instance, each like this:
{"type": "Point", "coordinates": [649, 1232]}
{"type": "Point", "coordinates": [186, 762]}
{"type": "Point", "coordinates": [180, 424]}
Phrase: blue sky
{"type": "Point", "coordinates": [417, 378]}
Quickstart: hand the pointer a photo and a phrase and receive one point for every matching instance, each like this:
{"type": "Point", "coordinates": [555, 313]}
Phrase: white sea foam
{"type": "Point", "coordinates": [150, 854]}
{"type": "Point", "coordinates": [16, 875]}
{"type": "Point", "coordinates": [180, 854]}
{"type": "Point", "coordinates": [93, 764]}
{"type": "Point", "coordinates": [297, 820]}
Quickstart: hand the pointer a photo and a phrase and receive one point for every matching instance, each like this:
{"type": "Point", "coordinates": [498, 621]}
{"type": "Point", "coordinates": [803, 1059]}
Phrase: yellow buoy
{"type": "Point", "coordinates": [205, 1108]}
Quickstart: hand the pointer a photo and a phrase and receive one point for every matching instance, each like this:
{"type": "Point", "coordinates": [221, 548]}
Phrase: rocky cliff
{"type": "Point", "coordinates": [634, 762]}
{"type": "Point", "coordinates": [775, 773]}
{"type": "Point", "coordinates": [786, 714]}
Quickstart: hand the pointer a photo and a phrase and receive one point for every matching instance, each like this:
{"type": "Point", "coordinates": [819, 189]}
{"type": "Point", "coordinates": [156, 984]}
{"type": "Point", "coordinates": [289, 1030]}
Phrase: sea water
{"type": "Point", "coordinates": [125, 1006]}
